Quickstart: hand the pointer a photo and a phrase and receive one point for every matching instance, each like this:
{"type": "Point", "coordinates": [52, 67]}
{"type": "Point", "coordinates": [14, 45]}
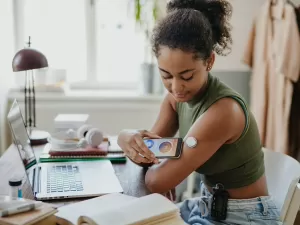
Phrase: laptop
{"type": "Point", "coordinates": [64, 179]}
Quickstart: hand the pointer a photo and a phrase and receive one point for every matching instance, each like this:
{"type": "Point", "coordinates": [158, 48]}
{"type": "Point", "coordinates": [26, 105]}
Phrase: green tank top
{"type": "Point", "coordinates": [233, 165]}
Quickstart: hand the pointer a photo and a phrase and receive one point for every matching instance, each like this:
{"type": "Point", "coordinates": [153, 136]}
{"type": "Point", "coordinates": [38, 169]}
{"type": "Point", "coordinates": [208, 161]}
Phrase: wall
{"type": "Point", "coordinates": [108, 113]}
{"type": "Point", "coordinates": [243, 13]}
{"type": "Point", "coordinates": [6, 55]}
{"type": "Point", "coordinates": [238, 80]}
{"type": "Point", "coordinates": [230, 69]}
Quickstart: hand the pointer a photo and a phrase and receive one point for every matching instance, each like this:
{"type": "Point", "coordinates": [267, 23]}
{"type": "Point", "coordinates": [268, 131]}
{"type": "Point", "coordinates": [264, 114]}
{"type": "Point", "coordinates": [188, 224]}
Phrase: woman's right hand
{"type": "Point", "coordinates": [131, 142]}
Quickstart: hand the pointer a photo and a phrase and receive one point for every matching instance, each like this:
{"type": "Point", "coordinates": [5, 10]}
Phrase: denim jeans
{"type": "Point", "coordinates": [254, 211]}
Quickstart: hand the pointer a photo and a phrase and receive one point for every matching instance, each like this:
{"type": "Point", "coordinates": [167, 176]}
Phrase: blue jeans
{"type": "Point", "coordinates": [258, 211]}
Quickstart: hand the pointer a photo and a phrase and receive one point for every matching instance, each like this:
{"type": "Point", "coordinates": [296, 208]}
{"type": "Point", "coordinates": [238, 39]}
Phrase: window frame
{"type": "Point", "coordinates": [90, 81]}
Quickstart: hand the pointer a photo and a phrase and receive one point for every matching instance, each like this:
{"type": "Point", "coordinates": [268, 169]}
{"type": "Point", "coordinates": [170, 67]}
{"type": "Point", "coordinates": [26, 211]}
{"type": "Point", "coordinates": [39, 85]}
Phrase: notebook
{"type": "Point", "coordinates": [101, 150]}
{"type": "Point", "coordinates": [119, 209]}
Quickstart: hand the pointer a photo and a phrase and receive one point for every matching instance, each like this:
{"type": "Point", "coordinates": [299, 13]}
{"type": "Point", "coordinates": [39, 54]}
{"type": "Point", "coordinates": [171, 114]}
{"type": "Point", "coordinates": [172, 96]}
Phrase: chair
{"type": "Point", "coordinates": [283, 175]}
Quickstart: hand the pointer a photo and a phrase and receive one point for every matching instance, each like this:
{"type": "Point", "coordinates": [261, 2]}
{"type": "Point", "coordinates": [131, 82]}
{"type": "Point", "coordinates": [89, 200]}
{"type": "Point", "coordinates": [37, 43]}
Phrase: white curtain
{"type": "Point", "coordinates": [6, 74]}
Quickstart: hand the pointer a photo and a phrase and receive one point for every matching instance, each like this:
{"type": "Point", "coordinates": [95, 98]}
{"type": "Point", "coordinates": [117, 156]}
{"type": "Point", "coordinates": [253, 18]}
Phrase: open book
{"type": "Point", "coordinates": [119, 209]}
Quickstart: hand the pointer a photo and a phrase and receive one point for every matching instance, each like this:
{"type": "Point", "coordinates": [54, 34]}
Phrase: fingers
{"type": "Point", "coordinates": [143, 149]}
{"type": "Point", "coordinates": [146, 133]}
{"type": "Point", "coordinates": [134, 155]}
{"type": "Point", "coordinates": [151, 135]}
{"type": "Point", "coordinates": [135, 148]}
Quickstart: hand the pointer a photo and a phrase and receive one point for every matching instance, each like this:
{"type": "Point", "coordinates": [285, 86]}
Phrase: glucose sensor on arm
{"type": "Point", "coordinates": [191, 142]}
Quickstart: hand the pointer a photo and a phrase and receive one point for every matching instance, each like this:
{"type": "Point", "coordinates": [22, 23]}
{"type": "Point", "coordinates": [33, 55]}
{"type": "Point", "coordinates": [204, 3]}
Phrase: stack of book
{"type": "Point", "coordinates": [26, 212]}
{"type": "Point", "coordinates": [108, 150]}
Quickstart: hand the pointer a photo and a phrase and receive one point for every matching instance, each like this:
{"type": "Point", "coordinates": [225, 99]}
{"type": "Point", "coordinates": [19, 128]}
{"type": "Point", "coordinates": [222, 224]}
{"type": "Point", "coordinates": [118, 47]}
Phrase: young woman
{"type": "Point", "coordinates": [228, 153]}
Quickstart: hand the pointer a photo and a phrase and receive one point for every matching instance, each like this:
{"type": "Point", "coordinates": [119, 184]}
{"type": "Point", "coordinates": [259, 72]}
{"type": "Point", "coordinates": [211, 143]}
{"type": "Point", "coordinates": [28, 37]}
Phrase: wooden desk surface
{"type": "Point", "coordinates": [130, 175]}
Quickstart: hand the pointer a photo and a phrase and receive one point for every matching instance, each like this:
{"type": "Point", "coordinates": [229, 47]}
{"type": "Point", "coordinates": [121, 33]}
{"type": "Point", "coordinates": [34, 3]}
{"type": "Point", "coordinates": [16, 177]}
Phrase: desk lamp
{"type": "Point", "coordinates": [27, 60]}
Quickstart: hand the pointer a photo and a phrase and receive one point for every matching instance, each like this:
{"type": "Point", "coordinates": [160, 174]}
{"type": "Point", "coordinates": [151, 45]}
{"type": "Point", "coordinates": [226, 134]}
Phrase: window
{"type": "Point", "coordinates": [57, 29]}
{"type": "Point", "coordinates": [96, 41]}
{"type": "Point", "coordinates": [119, 46]}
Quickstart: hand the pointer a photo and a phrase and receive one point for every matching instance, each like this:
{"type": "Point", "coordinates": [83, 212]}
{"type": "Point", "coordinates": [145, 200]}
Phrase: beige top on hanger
{"type": "Point", "coordinates": [271, 53]}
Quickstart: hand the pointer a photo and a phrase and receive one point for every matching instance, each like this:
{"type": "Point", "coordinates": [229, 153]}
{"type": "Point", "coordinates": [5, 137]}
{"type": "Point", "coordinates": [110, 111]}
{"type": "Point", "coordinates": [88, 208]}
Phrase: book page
{"type": "Point", "coordinates": [172, 220]}
{"type": "Point", "coordinates": [92, 206]}
{"type": "Point", "coordinates": [138, 211]}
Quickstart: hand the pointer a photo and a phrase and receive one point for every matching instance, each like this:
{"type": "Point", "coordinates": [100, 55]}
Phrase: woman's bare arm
{"type": "Point", "coordinates": [220, 124]}
{"type": "Point", "coordinates": [166, 124]}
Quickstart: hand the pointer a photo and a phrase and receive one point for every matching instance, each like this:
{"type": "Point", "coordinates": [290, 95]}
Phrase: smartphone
{"type": "Point", "coordinates": [165, 147]}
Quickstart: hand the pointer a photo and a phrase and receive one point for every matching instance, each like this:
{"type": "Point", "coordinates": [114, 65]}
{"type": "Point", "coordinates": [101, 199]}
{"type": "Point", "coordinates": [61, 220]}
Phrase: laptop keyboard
{"type": "Point", "coordinates": [64, 178]}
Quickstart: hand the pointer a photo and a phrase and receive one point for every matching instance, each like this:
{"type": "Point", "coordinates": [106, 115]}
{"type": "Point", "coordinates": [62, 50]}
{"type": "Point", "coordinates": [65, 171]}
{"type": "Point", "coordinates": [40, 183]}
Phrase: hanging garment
{"type": "Point", "coordinates": [273, 53]}
{"type": "Point", "coordinates": [297, 13]}
{"type": "Point", "coordinates": [294, 122]}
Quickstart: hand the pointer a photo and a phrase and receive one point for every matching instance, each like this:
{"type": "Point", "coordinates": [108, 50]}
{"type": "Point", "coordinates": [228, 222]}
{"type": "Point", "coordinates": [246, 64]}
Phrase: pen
{"type": "Point", "coordinates": [18, 209]}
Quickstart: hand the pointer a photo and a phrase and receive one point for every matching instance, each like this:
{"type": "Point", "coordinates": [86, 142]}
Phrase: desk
{"type": "Point", "coordinates": [130, 175]}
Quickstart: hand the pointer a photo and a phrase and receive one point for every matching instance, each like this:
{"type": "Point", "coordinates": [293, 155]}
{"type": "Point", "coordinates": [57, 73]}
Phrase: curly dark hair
{"type": "Point", "coordinates": [198, 26]}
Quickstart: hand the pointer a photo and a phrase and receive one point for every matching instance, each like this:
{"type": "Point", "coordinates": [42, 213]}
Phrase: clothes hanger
{"type": "Point", "coordinates": [274, 2]}
{"type": "Point", "coordinates": [276, 8]}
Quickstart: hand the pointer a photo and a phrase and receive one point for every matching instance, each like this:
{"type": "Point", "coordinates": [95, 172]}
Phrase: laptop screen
{"type": "Point", "coordinates": [20, 136]}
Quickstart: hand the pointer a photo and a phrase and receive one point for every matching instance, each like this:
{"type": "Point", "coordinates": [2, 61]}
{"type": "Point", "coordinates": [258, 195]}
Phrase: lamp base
{"type": "Point", "coordinates": [38, 137]}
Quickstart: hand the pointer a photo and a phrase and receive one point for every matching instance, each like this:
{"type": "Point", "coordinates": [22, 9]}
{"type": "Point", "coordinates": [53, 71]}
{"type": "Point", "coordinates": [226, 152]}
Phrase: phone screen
{"type": "Point", "coordinates": [164, 147]}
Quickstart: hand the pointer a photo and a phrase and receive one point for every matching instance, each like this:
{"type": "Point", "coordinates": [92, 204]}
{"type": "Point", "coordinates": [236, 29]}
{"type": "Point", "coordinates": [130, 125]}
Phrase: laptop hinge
{"type": "Point", "coordinates": [39, 179]}
{"type": "Point", "coordinates": [33, 181]}
{"type": "Point", "coordinates": [36, 180]}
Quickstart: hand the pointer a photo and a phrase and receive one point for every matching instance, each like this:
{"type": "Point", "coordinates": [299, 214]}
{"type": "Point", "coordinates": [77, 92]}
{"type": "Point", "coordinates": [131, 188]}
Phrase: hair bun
{"type": "Point", "coordinates": [218, 13]}
{"type": "Point", "coordinates": [200, 5]}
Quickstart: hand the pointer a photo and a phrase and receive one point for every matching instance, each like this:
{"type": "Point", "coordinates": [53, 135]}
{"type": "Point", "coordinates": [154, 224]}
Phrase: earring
{"type": "Point", "coordinates": [208, 68]}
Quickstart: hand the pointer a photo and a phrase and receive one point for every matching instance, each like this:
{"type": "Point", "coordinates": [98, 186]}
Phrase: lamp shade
{"type": "Point", "coordinates": [28, 59]}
